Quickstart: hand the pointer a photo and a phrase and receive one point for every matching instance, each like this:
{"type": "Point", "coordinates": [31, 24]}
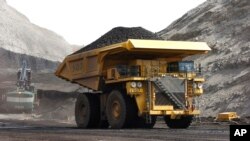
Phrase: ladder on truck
{"type": "Point", "coordinates": [163, 87]}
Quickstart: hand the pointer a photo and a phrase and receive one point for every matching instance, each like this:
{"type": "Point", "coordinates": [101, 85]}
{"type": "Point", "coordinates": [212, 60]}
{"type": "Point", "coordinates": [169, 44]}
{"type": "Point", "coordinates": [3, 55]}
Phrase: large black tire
{"type": "Point", "coordinates": [120, 110]}
{"type": "Point", "coordinates": [87, 111]}
{"type": "Point", "coordinates": [141, 122]}
{"type": "Point", "coordinates": [182, 122]}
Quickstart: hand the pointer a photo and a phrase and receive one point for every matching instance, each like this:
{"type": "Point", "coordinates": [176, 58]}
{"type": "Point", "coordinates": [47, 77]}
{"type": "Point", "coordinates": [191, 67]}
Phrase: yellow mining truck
{"type": "Point", "coordinates": [132, 82]}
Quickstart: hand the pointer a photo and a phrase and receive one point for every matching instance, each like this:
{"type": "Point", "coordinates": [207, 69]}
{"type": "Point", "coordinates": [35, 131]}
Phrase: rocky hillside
{"type": "Point", "coordinates": [19, 35]}
{"type": "Point", "coordinates": [42, 49]}
{"type": "Point", "coordinates": [22, 40]}
{"type": "Point", "coordinates": [225, 26]}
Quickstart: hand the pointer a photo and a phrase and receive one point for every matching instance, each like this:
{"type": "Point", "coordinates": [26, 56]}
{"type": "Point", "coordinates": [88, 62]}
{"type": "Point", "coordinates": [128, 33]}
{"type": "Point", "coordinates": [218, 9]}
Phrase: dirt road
{"type": "Point", "coordinates": [48, 130]}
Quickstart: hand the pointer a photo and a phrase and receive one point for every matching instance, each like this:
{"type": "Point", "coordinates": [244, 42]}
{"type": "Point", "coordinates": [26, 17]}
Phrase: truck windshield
{"type": "Point", "coordinates": [125, 70]}
{"type": "Point", "coordinates": [183, 66]}
{"type": "Point", "coordinates": [186, 66]}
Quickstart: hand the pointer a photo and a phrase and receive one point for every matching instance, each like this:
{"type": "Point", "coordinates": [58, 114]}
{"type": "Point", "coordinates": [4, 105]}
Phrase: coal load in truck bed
{"type": "Point", "coordinates": [120, 34]}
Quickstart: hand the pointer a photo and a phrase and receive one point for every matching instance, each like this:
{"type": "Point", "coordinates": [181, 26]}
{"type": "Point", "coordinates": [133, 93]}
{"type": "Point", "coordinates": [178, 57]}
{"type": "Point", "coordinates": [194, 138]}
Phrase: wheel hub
{"type": "Point", "coordinates": [83, 110]}
{"type": "Point", "coordinates": [116, 109]}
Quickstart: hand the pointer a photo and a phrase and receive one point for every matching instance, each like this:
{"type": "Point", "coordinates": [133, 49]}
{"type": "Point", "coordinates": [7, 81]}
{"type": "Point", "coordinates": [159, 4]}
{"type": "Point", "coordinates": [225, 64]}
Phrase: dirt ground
{"type": "Point", "coordinates": [30, 129]}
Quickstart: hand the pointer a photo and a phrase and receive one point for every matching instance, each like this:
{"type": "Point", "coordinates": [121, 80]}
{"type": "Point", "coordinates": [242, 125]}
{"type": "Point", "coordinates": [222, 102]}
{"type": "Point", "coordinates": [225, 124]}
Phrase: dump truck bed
{"type": "Point", "coordinates": [86, 68]}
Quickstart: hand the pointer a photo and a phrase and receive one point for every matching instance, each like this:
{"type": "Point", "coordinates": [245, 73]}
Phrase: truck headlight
{"type": "Point", "coordinates": [133, 84]}
{"type": "Point", "coordinates": [199, 85]}
{"type": "Point", "coordinates": [139, 84]}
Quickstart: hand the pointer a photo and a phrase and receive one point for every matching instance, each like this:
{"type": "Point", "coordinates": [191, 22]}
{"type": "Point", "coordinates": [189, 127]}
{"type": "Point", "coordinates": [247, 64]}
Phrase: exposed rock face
{"type": "Point", "coordinates": [2, 2]}
{"type": "Point", "coordinates": [42, 49]}
{"type": "Point", "coordinates": [21, 40]}
{"type": "Point", "coordinates": [10, 62]}
{"type": "Point", "coordinates": [19, 35]}
{"type": "Point", "coordinates": [225, 26]}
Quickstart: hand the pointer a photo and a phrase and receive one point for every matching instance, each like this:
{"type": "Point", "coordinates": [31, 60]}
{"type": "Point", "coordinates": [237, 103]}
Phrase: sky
{"type": "Point", "coordinates": [80, 22]}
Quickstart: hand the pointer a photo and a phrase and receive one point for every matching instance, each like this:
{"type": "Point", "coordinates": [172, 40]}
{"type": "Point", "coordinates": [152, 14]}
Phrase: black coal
{"type": "Point", "coordinates": [120, 34]}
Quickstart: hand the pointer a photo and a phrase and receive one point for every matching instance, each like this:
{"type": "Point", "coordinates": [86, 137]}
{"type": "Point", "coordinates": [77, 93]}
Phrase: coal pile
{"type": "Point", "coordinates": [120, 34]}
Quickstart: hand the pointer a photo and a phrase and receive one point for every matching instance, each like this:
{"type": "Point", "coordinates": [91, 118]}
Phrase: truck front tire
{"type": "Point", "coordinates": [182, 122]}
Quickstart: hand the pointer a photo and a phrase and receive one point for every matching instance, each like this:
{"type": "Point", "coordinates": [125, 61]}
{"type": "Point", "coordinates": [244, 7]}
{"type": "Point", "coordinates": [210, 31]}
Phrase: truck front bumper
{"type": "Point", "coordinates": [174, 112]}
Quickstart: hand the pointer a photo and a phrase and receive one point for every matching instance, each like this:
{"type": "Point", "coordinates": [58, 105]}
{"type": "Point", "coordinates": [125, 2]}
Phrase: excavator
{"type": "Point", "coordinates": [24, 98]}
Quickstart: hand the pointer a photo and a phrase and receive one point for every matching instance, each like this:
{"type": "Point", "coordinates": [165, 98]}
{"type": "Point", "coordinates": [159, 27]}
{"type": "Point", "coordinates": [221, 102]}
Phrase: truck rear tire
{"type": "Point", "coordinates": [120, 110]}
{"type": "Point", "coordinates": [87, 112]}
{"type": "Point", "coordinates": [182, 122]}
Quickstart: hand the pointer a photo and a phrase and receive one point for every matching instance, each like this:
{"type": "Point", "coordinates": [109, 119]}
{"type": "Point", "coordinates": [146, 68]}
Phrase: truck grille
{"type": "Point", "coordinates": [171, 90]}
{"type": "Point", "coordinates": [161, 99]}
